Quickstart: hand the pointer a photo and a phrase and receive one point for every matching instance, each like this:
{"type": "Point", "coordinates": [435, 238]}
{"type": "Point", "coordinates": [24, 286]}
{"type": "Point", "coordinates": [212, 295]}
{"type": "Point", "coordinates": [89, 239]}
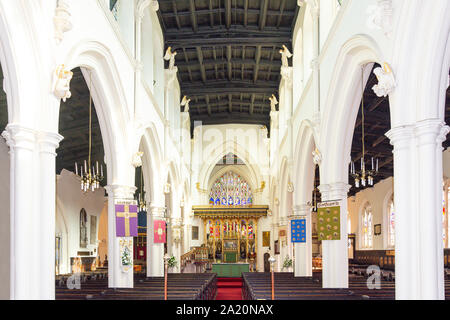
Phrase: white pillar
{"type": "Point", "coordinates": [48, 142]}
{"type": "Point", "coordinates": [419, 259]}
{"type": "Point", "coordinates": [25, 224]}
{"type": "Point", "coordinates": [155, 251]}
{"type": "Point", "coordinates": [175, 226]}
{"type": "Point", "coordinates": [303, 251]}
{"type": "Point", "coordinates": [117, 278]}
{"type": "Point", "coordinates": [335, 252]}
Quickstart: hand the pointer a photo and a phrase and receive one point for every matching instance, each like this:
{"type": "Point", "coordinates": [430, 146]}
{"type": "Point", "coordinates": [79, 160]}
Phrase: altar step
{"type": "Point", "coordinates": [229, 289]}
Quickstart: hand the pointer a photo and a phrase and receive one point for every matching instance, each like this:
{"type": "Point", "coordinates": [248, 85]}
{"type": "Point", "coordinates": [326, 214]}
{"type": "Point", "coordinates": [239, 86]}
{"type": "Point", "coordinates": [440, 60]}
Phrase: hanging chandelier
{"type": "Point", "coordinates": [90, 176]}
{"type": "Point", "coordinates": [141, 199]}
{"type": "Point", "coordinates": [363, 177]}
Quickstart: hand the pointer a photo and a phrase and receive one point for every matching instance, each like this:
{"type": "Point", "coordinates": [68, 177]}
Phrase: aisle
{"type": "Point", "coordinates": [229, 289]}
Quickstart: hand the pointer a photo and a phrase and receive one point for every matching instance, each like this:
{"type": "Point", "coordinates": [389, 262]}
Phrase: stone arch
{"type": "Point", "coordinates": [422, 59]}
{"type": "Point", "coordinates": [111, 106]}
{"type": "Point", "coordinates": [342, 105]}
{"type": "Point", "coordinates": [303, 172]}
{"type": "Point", "coordinates": [225, 148]}
{"type": "Point", "coordinates": [151, 160]}
{"type": "Point", "coordinates": [285, 177]}
{"type": "Point", "coordinates": [11, 72]}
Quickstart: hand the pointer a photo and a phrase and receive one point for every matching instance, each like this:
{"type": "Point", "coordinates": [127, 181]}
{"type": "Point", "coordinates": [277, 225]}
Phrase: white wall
{"type": "Point", "coordinates": [70, 200]}
{"type": "Point", "coordinates": [4, 221]}
{"type": "Point", "coordinates": [378, 198]}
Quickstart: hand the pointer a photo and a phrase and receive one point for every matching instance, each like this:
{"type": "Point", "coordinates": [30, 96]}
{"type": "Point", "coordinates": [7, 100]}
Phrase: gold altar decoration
{"type": "Point", "coordinates": [230, 233]}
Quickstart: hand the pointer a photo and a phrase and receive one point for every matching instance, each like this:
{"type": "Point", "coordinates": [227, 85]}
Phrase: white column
{"type": "Point", "coordinates": [25, 268]}
{"type": "Point", "coordinates": [419, 260]}
{"type": "Point", "coordinates": [303, 251]}
{"type": "Point", "coordinates": [48, 142]}
{"type": "Point", "coordinates": [117, 278]}
{"type": "Point", "coordinates": [406, 271]}
{"type": "Point", "coordinates": [335, 252]}
{"type": "Point", "coordinates": [155, 251]}
{"type": "Point", "coordinates": [176, 242]}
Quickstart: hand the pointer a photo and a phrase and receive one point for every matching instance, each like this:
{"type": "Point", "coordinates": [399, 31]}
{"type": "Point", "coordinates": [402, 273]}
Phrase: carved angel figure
{"type": "Point", "coordinates": [170, 56]}
{"type": "Point", "coordinates": [285, 55]}
{"type": "Point", "coordinates": [61, 82]}
{"type": "Point", "coordinates": [386, 81]}
{"type": "Point", "coordinates": [185, 103]}
{"type": "Point", "coordinates": [273, 103]}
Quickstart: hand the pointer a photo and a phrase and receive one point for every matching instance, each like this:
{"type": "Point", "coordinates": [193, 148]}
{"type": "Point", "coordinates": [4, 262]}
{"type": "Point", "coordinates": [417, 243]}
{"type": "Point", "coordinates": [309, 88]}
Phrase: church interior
{"type": "Point", "coordinates": [225, 150]}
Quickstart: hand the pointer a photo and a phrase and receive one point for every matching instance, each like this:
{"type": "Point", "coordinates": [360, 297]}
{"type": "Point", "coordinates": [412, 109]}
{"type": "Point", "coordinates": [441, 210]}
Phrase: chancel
{"type": "Point", "coordinates": [224, 150]}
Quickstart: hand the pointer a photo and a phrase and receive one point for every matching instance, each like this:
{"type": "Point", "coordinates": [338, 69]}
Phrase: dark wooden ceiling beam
{"type": "Point", "coordinates": [252, 105]}
{"type": "Point", "coordinates": [188, 65]}
{"type": "Point", "coordinates": [257, 60]}
{"type": "Point", "coordinates": [193, 15]}
{"type": "Point", "coordinates": [177, 19]}
{"type": "Point", "coordinates": [245, 13]}
{"type": "Point", "coordinates": [228, 13]}
{"type": "Point", "coordinates": [208, 105]}
{"type": "Point", "coordinates": [263, 14]}
{"type": "Point", "coordinates": [225, 40]}
{"type": "Point", "coordinates": [211, 14]}
{"type": "Point", "coordinates": [229, 66]}
{"type": "Point", "coordinates": [230, 103]}
{"type": "Point", "coordinates": [282, 6]}
{"type": "Point", "coordinates": [200, 60]}
{"type": "Point", "coordinates": [249, 62]}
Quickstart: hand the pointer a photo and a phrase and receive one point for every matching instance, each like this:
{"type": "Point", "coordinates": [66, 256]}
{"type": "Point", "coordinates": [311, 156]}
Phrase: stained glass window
{"type": "Point", "coordinates": [230, 190]}
{"type": "Point", "coordinates": [367, 227]}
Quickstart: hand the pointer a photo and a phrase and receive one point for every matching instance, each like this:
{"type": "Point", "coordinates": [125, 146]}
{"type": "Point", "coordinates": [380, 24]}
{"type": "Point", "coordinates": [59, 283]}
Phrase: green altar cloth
{"type": "Point", "coordinates": [230, 269]}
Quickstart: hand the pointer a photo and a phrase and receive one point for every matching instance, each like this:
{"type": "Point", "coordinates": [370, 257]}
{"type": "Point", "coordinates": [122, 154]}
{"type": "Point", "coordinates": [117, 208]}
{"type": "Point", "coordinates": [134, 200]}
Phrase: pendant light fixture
{"type": "Point", "coordinates": [363, 177]}
{"type": "Point", "coordinates": [90, 176]}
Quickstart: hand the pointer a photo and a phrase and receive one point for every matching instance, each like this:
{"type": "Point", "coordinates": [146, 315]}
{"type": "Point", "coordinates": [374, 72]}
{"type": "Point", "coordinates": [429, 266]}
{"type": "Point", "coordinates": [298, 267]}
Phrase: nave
{"type": "Point", "coordinates": [212, 144]}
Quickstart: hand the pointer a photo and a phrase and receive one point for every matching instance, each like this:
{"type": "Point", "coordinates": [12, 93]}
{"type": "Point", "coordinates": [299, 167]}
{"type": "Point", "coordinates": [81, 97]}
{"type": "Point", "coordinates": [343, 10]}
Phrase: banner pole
{"type": "Point", "coordinates": [166, 259]}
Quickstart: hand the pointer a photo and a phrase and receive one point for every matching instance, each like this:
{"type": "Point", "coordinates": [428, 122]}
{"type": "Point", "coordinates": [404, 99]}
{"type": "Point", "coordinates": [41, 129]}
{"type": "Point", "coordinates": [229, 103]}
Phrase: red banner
{"type": "Point", "coordinates": [159, 231]}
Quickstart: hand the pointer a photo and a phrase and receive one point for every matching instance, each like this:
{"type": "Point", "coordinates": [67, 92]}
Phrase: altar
{"type": "Point", "coordinates": [230, 236]}
{"type": "Point", "coordinates": [233, 270]}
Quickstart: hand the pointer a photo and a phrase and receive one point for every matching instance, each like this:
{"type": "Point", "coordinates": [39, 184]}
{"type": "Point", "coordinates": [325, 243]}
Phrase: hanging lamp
{"type": "Point", "coordinates": [363, 177]}
{"type": "Point", "coordinates": [90, 176]}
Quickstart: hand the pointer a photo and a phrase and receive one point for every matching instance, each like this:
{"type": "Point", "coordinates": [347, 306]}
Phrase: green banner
{"type": "Point", "coordinates": [329, 220]}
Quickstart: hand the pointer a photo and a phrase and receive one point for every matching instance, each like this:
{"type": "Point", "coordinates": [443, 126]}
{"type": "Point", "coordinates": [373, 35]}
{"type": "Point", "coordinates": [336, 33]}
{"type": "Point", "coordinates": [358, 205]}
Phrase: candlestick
{"type": "Point", "coordinates": [76, 168]}
{"type": "Point", "coordinates": [101, 167]}
{"type": "Point", "coordinates": [97, 167]}
{"type": "Point", "coordinates": [372, 163]}
{"type": "Point", "coordinates": [377, 164]}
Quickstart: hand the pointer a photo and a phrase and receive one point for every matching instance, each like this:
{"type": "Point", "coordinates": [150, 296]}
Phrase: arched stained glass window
{"type": "Point", "coordinates": [230, 190]}
{"type": "Point", "coordinates": [367, 227]}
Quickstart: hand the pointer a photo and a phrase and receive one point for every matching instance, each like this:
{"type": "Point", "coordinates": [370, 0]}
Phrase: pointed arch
{"type": "Point", "coordinates": [342, 105]}
{"type": "Point", "coordinates": [111, 105]}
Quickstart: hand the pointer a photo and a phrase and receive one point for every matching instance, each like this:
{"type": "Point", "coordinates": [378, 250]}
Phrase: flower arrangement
{"type": "Point", "coordinates": [287, 263]}
{"type": "Point", "coordinates": [172, 262]}
{"type": "Point", "coordinates": [126, 257]}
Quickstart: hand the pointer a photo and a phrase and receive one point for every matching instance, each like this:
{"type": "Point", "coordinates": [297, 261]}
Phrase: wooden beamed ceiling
{"type": "Point", "coordinates": [228, 55]}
